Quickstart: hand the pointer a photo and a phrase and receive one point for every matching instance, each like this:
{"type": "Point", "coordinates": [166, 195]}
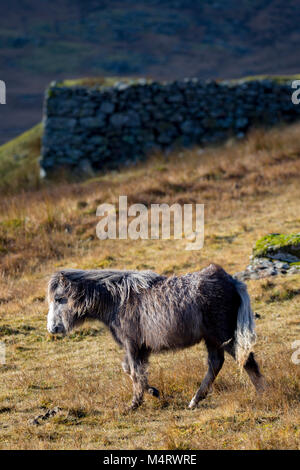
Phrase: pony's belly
{"type": "Point", "coordinates": [177, 338]}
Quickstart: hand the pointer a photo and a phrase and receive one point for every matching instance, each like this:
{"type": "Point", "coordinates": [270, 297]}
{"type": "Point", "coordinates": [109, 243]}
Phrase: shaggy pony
{"type": "Point", "coordinates": [148, 313]}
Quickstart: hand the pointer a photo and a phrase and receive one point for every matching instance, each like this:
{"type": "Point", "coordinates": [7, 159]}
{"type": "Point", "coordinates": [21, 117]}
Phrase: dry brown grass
{"type": "Point", "coordinates": [249, 189]}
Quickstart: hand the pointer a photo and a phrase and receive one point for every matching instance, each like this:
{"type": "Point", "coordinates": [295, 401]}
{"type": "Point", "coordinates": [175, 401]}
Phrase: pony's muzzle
{"type": "Point", "coordinates": [57, 329]}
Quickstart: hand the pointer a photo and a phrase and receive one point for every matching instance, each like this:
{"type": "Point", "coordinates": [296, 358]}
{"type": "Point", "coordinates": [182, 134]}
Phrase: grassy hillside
{"type": "Point", "coordinates": [19, 166]}
{"type": "Point", "coordinates": [249, 188]}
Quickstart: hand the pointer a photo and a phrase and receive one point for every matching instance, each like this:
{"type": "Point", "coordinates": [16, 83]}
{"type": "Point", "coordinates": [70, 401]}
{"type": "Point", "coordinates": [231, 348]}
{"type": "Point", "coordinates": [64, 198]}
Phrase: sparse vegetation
{"type": "Point", "coordinates": [256, 192]}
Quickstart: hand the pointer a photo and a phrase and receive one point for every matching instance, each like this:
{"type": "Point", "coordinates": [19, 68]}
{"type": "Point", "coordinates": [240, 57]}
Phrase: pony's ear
{"type": "Point", "coordinates": [63, 281]}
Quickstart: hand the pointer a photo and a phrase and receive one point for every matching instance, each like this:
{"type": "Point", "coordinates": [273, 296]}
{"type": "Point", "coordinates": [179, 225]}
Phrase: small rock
{"type": "Point", "coordinates": [43, 417]}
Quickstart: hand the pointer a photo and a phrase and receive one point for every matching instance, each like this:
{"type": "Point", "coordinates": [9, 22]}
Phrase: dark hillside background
{"type": "Point", "coordinates": [43, 40]}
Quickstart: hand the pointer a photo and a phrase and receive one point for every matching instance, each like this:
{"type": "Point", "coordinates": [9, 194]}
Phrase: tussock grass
{"type": "Point", "coordinates": [249, 188]}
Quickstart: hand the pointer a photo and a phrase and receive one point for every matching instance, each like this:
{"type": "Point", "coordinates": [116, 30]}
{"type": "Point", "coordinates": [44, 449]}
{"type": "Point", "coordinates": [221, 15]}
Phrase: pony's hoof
{"type": "Point", "coordinates": [134, 406]}
{"type": "Point", "coordinates": [192, 404]}
{"type": "Point", "coordinates": [125, 368]}
{"type": "Point", "coordinates": [261, 386]}
{"type": "Point", "coordinates": [154, 392]}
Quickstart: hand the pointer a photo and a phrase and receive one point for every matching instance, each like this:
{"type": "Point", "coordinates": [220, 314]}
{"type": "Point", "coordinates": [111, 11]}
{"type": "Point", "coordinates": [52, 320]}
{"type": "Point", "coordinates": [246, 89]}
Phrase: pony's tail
{"type": "Point", "coordinates": [245, 336]}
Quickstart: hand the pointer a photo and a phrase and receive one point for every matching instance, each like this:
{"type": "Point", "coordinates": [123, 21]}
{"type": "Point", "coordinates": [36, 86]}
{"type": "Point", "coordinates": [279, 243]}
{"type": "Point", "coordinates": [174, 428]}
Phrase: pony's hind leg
{"type": "Point", "coordinates": [256, 377]}
{"type": "Point", "coordinates": [215, 363]}
{"type": "Point", "coordinates": [252, 369]}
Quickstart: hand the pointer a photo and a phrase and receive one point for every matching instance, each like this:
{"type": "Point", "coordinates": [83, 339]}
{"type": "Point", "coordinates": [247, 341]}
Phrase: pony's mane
{"type": "Point", "coordinates": [86, 285]}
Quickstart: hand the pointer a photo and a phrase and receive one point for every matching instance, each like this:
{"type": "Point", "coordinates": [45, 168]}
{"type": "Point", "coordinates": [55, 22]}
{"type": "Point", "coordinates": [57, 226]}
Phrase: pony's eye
{"type": "Point", "coordinates": [60, 300]}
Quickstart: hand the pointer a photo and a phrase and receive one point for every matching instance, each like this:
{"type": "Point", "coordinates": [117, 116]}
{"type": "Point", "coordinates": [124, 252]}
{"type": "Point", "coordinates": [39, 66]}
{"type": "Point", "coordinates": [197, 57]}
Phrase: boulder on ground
{"type": "Point", "coordinates": [273, 254]}
{"type": "Point", "coordinates": [283, 247]}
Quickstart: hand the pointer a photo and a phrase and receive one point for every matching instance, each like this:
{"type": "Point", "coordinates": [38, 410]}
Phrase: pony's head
{"type": "Point", "coordinates": [75, 295]}
{"type": "Point", "coordinates": [64, 312]}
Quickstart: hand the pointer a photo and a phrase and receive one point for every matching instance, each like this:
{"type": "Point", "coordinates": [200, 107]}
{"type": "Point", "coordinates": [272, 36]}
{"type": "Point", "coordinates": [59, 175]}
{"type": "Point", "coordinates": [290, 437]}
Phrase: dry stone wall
{"type": "Point", "coordinates": [111, 126]}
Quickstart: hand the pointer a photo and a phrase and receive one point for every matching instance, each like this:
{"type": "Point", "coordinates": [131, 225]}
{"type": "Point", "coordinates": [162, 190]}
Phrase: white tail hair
{"type": "Point", "coordinates": [245, 336]}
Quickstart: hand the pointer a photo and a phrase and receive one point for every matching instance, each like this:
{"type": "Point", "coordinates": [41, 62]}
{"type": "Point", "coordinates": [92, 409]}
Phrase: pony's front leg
{"type": "Point", "coordinates": [146, 387]}
{"type": "Point", "coordinates": [139, 386]}
{"type": "Point", "coordinates": [135, 364]}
